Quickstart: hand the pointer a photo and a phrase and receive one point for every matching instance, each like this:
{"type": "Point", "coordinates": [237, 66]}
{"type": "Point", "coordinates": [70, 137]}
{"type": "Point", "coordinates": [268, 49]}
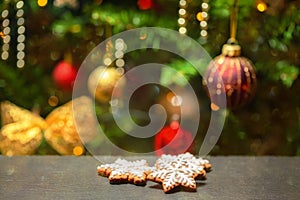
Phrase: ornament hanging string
{"type": "Point", "coordinates": [68, 56]}
{"type": "Point", "coordinates": [233, 22]}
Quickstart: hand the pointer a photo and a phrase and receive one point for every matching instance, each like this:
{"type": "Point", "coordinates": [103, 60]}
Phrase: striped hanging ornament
{"type": "Point", "coordinates": [230, 72]}
{"type": "Point", "coordinates": [237, 74]}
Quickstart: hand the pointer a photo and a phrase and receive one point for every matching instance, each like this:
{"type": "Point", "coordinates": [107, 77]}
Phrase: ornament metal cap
{"type": "Point", "coordinates": [231, 50]}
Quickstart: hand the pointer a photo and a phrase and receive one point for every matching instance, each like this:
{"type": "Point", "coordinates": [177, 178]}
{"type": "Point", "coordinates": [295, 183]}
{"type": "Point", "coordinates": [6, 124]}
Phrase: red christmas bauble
{"type": "Point", "coordinates": [64, 75]}
{"type": "Point", "coordinates": [173, 140]}
{"type": "Point", "coordinates": [145, 4]}
{"type": "Point", "coordinates": [237, 74]}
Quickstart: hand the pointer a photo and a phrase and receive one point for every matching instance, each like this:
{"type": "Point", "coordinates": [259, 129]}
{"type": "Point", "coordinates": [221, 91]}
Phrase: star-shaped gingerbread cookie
{"type": "Point", "coordinates": [123, 171]}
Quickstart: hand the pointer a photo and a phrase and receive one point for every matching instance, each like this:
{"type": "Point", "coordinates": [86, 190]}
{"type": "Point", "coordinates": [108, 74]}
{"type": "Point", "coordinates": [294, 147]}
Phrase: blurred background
{"type": "Point", "coordinates": [43, 44]}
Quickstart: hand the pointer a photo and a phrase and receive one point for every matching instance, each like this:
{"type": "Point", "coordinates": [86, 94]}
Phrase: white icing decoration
{"type": "Point", "coordinates": [120, 167]}
{"type": "Point", "coordinates": [178, 170]}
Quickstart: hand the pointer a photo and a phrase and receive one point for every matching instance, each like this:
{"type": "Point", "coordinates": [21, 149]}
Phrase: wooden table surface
{"type": "Point", "coordinates": [69, 177]}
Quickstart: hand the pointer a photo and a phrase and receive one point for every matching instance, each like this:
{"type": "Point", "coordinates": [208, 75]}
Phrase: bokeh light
{"type": "Point", "coordinates": [261, 7]}
{"type": "Point", "coordinates": [78, 150]}
{"type": "Point", "coordinates": [42, 3]}
{"type": "Point", "coordinates": [53, 100]}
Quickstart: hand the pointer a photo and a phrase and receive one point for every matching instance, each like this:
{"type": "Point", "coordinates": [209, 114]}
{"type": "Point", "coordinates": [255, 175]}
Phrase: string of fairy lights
{"type": "Point", "coordinates": [203, 17]}
{"type": "Point", "coordinates": [120, 47]}
{"type": "Point", "coordinates": [8, 17]}
{"type": "Point", "coordinates": [21, 34]}
{"type": "Point", "coordinates": [115, 50]}
{"type": "Point", "coordinates": [182, 13]}
{"type": "Point", "coordinates": [6, 34]}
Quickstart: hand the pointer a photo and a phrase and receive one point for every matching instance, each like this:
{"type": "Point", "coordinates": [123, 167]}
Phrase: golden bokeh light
{"type": "Point", "coordinates": [42, 3]}
{"type": "Point", "coordinates": [261, 7]}
{"type": "Point", "coordinates": [214, 107]}
{"type": "Point", "coordinates": [200, 16]}
{"type": "Point", "coordinates": [2, 35]}
{"type": "Point", "coordinates": [53, 100]}
{"type": "Point", "coordinates": [78, 150]}
{"type": "Point", "coordinates": [169, 96]}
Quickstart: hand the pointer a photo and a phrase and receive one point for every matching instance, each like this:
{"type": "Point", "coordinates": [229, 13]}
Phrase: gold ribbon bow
{"type": "Point", "coordinates": [22, 131]}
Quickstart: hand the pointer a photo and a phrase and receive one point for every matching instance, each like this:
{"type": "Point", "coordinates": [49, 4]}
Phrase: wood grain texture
{"type": "Point", "coordinates": [69, 177]}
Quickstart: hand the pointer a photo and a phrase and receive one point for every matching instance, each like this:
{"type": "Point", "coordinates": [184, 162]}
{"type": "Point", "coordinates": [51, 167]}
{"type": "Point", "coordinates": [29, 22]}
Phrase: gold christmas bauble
{"type": "Point", "coordinates": [102, 82]}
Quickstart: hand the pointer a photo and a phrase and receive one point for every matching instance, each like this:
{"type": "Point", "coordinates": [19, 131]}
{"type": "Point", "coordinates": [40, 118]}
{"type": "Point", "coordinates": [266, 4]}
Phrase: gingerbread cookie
{"type": "Point", "coordinates": [180, 170]}
{"type": "Point", "coordinates": [123, 171]}
{"type": "Point", "coordinates": [166, 158]}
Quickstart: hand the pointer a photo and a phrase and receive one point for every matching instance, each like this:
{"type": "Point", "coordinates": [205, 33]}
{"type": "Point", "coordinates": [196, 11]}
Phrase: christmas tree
{"type": "Point", "coordinates": [45, 42]}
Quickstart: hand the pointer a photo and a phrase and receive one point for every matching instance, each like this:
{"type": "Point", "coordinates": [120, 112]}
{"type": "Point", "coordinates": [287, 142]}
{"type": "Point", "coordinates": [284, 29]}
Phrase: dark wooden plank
{"type": "Point", "coordinates": [68, 177]}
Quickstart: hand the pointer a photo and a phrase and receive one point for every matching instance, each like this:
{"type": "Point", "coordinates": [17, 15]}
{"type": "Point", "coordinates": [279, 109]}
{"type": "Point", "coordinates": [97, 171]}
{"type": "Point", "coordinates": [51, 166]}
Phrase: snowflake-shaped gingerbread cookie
{"type": "Point", "coordinates": [123, 171]}
{"type": "Point", "coordinates": [181, 170]}
{"type": "Point", "coordinates": [166, 159]}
